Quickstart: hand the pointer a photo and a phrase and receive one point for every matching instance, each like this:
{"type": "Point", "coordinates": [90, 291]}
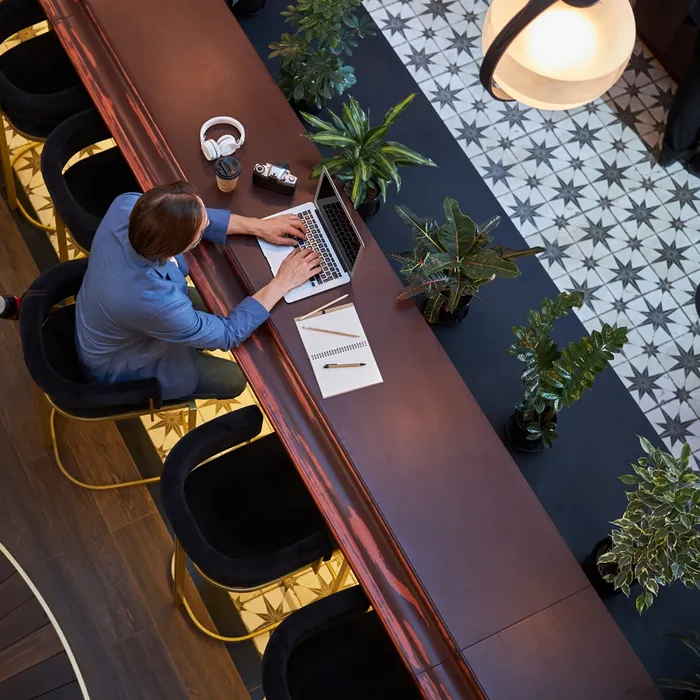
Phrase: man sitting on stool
{"type": "Point", "coordinates": [683, 123]}
{"type": "Point", "coordinates": [136, 317]}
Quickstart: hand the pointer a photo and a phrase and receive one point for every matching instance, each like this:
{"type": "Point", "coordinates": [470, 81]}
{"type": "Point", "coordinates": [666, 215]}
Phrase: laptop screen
{"type": "Point", "coordinates": [337, 222]}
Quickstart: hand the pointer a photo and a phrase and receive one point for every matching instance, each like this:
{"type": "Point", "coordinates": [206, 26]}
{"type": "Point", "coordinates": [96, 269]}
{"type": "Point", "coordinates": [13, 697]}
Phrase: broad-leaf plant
{"type": "Point", "coordinates": [554, 378]}
{"type": "Point", "coordinates": [312, 68]}
{"type": "Point", "coordinates": [365, 160]}
{"type": "Point", "coordinates": [657, 541]}
{"type": "Point", "coordinates": [451, 261]}
{"type": "Point", "coordinates": [691, 688]}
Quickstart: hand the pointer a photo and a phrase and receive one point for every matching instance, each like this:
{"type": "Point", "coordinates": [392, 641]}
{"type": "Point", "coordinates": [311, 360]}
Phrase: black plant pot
{"type": "Point", "coordinates": [369, 207]}
{"type": "Point", "coordinates": [300, 106]}
{"type": "Point", "coordinates": [248, 8]}
{"type": "Point", "coordinates": [595, 572]}
{"type": "Point", "coordinates": [445, 318]}
{"type": "Point", "coordinates": [517, 435]}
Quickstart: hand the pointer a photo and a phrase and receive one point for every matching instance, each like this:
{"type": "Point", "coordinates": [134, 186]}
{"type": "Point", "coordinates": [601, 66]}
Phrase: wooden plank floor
{"type": "Point", "coordinates": [101, 561]}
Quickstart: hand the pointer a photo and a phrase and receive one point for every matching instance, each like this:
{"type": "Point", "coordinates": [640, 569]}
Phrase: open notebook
{"type": "Point", "coordinates": [326, 348]}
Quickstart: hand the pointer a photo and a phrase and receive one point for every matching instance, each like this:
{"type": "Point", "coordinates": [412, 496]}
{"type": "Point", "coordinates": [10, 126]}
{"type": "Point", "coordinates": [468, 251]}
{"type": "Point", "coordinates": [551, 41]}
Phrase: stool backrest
{"type": "Point", "coordinates": [48, 344]}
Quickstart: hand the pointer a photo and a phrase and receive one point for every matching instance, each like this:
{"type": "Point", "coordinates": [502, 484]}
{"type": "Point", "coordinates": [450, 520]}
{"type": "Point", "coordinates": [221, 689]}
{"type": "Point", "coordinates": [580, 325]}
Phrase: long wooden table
{"type": "Point", "coordinates": [469, 575]}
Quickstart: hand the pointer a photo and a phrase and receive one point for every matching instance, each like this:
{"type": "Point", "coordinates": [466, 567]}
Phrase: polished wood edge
{"type": "Point", "coordinates": [385, 575]}
{"type": "Point", "coordinates": [115, 96]}
{"type": "Point", "coordinates": [52, 619]}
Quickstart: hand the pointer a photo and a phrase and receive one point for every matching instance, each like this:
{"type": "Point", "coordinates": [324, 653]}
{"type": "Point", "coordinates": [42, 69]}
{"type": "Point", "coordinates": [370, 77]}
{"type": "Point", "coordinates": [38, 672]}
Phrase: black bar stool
{"type": "Point", "coordinates": [47, 332]}
{"type": "Point", "coordinates": [82, 194]}
{"type": "Point", "coordinates": [336, 648]}
{"type": "Point", "coordinates": [244, 518]}
{"type": "Point", "coordinates": [39, 87]}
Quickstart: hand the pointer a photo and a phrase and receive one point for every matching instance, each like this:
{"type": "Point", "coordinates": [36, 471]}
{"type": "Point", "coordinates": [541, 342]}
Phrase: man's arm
{"type": "Point", "coordinates": [277, 229]}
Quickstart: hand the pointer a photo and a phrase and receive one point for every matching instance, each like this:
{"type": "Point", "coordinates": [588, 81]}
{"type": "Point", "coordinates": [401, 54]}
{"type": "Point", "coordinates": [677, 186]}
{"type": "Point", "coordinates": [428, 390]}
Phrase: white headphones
{"type": "Point", "coordinates": [225, 145]}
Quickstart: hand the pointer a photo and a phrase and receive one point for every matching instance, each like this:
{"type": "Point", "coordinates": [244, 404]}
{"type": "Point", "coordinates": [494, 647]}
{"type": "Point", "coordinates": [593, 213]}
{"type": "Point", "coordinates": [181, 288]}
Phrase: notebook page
{"type": "Point", "coordinates": [325, 348]}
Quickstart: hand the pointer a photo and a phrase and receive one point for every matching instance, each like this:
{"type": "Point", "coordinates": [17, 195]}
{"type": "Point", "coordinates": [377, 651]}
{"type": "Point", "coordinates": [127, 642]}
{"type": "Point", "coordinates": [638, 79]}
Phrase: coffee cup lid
{"type": "Point", "coordinates": [227, 168]}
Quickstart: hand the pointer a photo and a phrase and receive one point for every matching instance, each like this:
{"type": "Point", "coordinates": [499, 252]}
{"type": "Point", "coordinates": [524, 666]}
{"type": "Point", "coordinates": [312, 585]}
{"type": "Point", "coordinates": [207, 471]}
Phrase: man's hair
{"type": "Point", "coordinates": [165, 221]}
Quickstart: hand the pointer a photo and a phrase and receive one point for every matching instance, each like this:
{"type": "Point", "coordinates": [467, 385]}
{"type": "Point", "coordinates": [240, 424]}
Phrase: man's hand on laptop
{"type": "Point", "coordinates": [281, 230]}
{"type": "Point", "coordinates": [298, 267]}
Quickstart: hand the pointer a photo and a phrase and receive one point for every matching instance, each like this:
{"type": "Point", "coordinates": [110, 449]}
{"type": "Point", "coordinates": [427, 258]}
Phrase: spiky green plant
{"type": "Point", "coordinates": [451, 262]}
{"type": "Point", "coordinates": [365, 159]}
{"type": "Point", "coordinates": [692, 688]}
{"type": "Point", "coordinates": [312, 67]}
{"type": "Point", "coordinates": [657, 541]}
{"type": "Point", "coordinates": [552, 378]}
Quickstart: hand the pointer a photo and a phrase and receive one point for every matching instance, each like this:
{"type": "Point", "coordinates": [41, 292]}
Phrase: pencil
{"type": "Point", "coordinates": [349, 364]}
{"type": "Point", "coordinates": [325, 330]}
{"type": "Point", "coordinates": [320, 308]}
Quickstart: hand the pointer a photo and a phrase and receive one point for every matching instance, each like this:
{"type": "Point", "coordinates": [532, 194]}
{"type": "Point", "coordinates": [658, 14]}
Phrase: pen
{"type": "Point", "coordinates": [350, 364]}
{"type": "Point", "coordinates": [327, 330]}
{"type": "Point", "coordinates": [321, 308]}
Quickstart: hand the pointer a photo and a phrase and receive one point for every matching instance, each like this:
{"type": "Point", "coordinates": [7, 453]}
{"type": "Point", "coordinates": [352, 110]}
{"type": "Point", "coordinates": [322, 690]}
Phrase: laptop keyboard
{"type": "Point", "coordinates": [344, 234]}
{"type": "Point", "coordinates": [316, 241]}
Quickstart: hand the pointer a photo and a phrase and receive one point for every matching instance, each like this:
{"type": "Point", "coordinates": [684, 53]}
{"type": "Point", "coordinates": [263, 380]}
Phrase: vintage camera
{"type": "Point", "coordinates": [275, 177]}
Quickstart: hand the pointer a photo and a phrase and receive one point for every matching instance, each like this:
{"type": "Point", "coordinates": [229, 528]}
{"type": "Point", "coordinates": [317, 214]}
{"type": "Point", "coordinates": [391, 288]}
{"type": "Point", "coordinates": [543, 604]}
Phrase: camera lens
{"type": "Point", "coordinates": [259, 168]}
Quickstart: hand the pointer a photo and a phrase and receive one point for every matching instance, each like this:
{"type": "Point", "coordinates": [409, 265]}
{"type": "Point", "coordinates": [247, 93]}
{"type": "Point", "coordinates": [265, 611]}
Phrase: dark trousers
{"type": "Point", "coordinates": [683, 123]}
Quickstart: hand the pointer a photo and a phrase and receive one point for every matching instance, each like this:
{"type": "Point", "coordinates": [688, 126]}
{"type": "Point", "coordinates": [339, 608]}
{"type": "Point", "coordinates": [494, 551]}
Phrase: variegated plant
{"type": "Point", "coordinates": [451, 262]}
{"type": "Point", "coordinates": [365, 159]}
{"type": "Point", "coordinates": [657, 540]}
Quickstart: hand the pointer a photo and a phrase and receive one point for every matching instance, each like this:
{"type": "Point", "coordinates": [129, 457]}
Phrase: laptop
{"type": "Point", "coordinates": [330, 232]}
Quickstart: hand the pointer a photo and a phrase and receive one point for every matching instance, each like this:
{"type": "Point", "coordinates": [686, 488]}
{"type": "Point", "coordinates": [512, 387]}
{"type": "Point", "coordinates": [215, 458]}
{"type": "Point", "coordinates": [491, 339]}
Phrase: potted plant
{"type": "Point", "coordinates": [246, 8]}
{"type": "Point", "coordinates": [365, 162]}
{"type": "Point", "coordinates": [449, 263]}
{"type": "Point", "coordinates": [691, 688]}
{"type": "Point", "coordinates": [312, 69]}
{"type": "Point", "coordinates": [656, 541]}
{"type": "Point", "coordinates": [552, 378]}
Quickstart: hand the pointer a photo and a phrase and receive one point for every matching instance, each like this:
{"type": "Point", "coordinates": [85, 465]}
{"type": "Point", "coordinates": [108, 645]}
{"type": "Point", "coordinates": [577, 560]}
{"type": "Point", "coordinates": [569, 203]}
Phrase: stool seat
{"type": "Point", "coordinates": [252, 506]}
{"type": "Point", "coordinates": [58, 332]}
{"type": "Point", "coordinates": [335, 647]}
{"type": "Point", "coordinates": [39, 87]}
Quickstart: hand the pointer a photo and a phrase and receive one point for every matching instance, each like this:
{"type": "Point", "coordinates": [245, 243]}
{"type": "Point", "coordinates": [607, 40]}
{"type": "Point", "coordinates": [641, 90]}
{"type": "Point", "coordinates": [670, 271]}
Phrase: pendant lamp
{"type": "Point", "coordinates": [555, 54]}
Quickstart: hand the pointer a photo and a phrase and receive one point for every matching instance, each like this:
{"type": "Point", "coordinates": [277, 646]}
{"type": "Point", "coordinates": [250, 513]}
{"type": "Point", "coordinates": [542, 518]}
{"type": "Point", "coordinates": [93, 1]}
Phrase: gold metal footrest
{"type": "Point", "coordinates": [181, 599]}
{"type": "Point", "coordinates": [82, 484]}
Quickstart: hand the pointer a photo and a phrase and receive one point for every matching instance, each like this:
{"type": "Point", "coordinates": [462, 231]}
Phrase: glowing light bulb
{"type": "Point", "coordinates": [560, 42]}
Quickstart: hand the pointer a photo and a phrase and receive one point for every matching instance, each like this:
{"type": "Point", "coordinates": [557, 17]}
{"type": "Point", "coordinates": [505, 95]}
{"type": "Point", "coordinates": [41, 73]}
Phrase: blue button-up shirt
{"type": "Point", "coordinates": [134, 318]}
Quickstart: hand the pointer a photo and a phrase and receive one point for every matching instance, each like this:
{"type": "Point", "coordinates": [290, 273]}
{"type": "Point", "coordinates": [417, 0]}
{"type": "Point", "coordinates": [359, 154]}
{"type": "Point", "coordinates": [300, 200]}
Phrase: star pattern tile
{"type": "Point", "coordinates": [584, 184]}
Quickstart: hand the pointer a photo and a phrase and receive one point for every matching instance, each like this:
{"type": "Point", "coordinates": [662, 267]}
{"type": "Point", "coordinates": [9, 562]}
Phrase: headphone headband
{"type": "Point", "coordinates": [230, 121]}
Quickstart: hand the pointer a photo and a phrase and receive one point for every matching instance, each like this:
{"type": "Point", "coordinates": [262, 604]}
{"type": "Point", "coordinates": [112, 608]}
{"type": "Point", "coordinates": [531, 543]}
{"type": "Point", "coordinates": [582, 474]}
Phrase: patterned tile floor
{"type": "Point", "coordinates": [583, 184]}
{"type": "Point", "coordinates": [257, 609]}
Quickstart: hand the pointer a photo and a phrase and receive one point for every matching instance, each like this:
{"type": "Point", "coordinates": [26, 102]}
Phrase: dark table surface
{"type": "Point", "coordinates": [468, 573]}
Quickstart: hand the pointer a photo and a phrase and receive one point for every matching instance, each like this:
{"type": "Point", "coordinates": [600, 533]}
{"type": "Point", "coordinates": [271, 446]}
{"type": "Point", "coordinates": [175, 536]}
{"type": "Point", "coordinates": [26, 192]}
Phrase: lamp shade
{"type": "Point", "coordinates": [566, 56]}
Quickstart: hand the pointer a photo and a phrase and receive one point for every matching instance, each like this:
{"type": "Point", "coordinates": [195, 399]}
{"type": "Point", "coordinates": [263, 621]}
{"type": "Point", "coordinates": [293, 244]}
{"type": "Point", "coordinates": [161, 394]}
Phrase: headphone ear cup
{"type": "Point", "coordinates": [227, 144]}
{"type": "Point", "coordinates": [210, 148]}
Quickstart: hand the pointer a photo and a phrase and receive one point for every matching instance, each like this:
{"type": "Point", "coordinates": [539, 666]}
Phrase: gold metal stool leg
{"type": "Point", "coordinates": [62, 236]}
{"type": "Point", "coordinates": [191, 416]}
{"type": "Point", "coordinates": [44, 416]}
{"type": "Point", "coordinates": [178, 574]}
{"type": "Point", "coordinates": [341, 577]}
{"type": "Point", "coordinates": [7, 172]}
{"type": "Point", "coordinates": [82, 484]}
{"type": "Point", "coordinates": [34, 222]}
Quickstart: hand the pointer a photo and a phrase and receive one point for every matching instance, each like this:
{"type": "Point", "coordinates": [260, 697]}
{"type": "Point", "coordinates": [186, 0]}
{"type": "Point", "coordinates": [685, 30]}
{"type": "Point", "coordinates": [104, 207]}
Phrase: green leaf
{"type": "Point", "coordinates": [332, 138]}
{"type": "Point", "coordinates": [402, 155]}
{"type": "Point", "coordinates": [628, 479]}
{"type": "Point", "coordinates": [433, 306]}
{"type": "Point", "coordinates": [458, 233]}
{"type": "Point", "coordinates": [640, 604]}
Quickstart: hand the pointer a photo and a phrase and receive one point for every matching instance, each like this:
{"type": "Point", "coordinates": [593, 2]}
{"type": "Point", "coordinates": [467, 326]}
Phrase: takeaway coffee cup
{"type": "Point", "coordinates": [227, 170]}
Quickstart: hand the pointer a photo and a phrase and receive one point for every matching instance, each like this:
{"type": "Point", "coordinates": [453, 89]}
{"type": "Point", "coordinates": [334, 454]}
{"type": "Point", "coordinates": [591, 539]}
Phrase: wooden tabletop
{"type": "Point", "coordinates": [455, 551]}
